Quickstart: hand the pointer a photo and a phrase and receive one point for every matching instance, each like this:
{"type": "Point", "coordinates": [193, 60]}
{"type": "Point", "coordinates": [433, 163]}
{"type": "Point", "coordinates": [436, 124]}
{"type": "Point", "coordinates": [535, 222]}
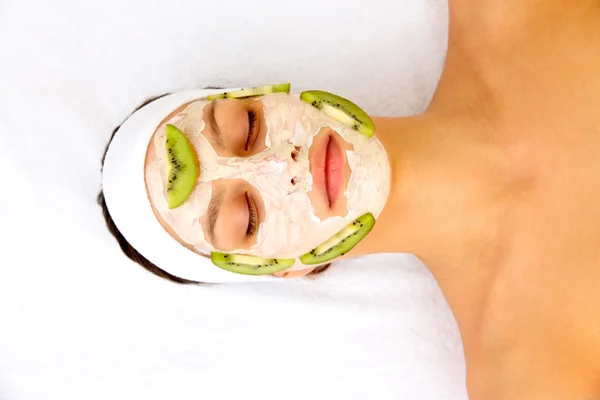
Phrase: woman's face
{"type": "Point", "coordinates": [277, 177]}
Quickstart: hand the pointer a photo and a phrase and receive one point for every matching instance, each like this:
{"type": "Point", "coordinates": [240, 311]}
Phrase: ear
{"type": "Point", "coordinates": [294, 274]}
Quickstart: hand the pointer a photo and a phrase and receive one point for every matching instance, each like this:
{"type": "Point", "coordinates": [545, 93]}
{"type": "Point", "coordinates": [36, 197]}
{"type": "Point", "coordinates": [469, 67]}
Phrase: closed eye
{"type": "Point", "coordinates": [252, 216]}
{"type": "Point", "coordinates": [251, 138]}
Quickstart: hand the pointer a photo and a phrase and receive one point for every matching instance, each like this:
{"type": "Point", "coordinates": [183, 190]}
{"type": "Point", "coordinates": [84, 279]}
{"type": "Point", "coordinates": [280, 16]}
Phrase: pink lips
{"type": "Point", "coordinates": [327, 167]}
{"type": "Point", "coordinates": [333, 170]}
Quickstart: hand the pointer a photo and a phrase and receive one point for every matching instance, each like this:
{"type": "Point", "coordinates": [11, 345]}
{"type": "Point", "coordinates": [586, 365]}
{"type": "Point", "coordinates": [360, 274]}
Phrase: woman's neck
{"type": "Point", "coordinates": [448, 189]}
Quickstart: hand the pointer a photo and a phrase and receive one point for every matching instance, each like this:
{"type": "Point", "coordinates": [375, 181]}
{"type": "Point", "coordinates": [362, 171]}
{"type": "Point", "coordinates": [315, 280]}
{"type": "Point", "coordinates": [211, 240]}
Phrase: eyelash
{"type": "Point", "coordinates": [251, 128]}
{"type": "Point", "coordinates": [252, 217]}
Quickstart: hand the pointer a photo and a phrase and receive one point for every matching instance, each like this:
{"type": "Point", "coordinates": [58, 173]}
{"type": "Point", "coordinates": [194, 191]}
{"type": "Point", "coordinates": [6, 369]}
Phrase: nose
{"type": "Point", "coordinates": [294, 154]}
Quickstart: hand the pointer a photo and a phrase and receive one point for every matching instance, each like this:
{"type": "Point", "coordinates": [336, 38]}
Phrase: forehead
{"type": "Point", "coordinates": [188, 118]}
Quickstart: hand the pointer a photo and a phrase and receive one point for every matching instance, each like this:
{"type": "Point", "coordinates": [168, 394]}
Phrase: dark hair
{"type": "Point", "coordinates": [127, 248]}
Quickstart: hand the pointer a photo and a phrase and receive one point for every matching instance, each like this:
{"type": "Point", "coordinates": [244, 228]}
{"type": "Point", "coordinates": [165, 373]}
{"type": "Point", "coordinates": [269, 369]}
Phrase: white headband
{"type": "Point", "coordinates": [125, 193]}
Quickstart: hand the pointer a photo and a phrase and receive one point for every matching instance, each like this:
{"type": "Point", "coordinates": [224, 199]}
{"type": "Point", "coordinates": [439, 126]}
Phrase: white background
{"type": "Point", "coordinates": [80, 321]}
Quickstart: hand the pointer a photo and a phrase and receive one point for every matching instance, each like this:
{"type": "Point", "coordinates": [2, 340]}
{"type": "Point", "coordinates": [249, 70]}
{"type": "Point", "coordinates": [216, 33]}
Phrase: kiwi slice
{"type": "Point", "coordinates": [182, 167]}
{"type": "Point", "coordinates": [250, 265]}
{"type": "Point", "coordinates": [250, 92]}
{"type": "Point", "coordinates": [341, 109]}
{"type": "Point", "coordinates": [342, 242]}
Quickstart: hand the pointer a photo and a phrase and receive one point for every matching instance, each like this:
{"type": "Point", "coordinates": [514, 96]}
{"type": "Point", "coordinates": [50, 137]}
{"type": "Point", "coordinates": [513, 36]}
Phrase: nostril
{"type": "Point", "coordinates": [295, 153]}
{"type": "Point", "coordinates": [294, 181]}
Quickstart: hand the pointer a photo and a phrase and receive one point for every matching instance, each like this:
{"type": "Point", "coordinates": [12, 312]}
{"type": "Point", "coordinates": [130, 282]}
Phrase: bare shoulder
{"type": "Point", "coordinates": [541, 314]}
{"type": "Point", "coordinates": [508, 27]}
{"type": "Point", "coordinates": [539, 321]}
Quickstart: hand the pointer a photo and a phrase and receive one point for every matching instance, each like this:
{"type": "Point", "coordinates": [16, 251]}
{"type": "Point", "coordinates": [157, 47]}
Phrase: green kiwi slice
{"type": "Point", "coordinates": [341, 109]}
{"type": "Point", "coordinates": [250, 92]}
{"type": "Point", "coordinates": [182, 167]}
{"type": "Point", "coordinates": [342, 242]}
{"type": "Point", "coordinates": [250, 265]}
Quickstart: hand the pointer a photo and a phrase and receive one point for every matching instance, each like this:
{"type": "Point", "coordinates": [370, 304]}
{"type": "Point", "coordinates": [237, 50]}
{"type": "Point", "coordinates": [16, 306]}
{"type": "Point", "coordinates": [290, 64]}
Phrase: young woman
{"type": "Point", "coordinates": [496, 187]}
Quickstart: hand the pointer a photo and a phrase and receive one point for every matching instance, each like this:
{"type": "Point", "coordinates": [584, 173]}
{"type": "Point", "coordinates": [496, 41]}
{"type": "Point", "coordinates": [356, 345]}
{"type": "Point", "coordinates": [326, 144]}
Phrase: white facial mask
{"type": "Point", "coordinates": [290, 227]}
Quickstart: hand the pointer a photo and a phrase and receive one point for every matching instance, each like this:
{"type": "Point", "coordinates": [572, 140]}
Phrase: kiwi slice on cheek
{"type": "Point", "coordinates": [340, 109]}
{"type": "Point", "coordinates": [250, 265]}
{"type": "Point", "coordinates": [251, 92]}
{"type": "Point", "coordinates": [342, 242]}
{"type": "Point", "coordinates": [338, 245]}
{"type": "Point", "coordinates": [182, 167]}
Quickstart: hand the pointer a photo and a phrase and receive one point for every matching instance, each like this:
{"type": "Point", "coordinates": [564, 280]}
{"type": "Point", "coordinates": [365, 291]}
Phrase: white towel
{"type": "Point", "coordinates": [78, 320]}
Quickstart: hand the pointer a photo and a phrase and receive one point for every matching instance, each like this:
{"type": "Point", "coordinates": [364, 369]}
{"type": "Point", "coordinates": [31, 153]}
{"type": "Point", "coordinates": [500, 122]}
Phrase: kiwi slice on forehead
{"type": "Point", "coordinates": [251, 92]}
{"type": "Point", "coordinates": [342, 242]}
{"type": "Point", "coordinates": [182, 167]}
{"type": "Point", "coordinates": [250, 265]}
{"type": "Point", "coordinates": [340, 109]}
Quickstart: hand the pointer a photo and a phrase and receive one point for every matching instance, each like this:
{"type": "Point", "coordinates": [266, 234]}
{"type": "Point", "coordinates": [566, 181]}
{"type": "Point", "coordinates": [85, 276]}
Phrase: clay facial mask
{"type": "Point", "coordinates": [297, 134]}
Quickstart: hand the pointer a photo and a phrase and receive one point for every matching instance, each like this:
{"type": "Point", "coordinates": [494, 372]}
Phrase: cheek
{"type": "Point", "coordinates": [283, 122]}
{"type": "Point", "coordinates": [290, 227]}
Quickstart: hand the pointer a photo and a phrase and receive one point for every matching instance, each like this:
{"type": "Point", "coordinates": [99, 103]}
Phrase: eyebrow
{"type": "Point", "coordinates": [214, 207]}
{"type": "Point", "coordinates": [214, 127]}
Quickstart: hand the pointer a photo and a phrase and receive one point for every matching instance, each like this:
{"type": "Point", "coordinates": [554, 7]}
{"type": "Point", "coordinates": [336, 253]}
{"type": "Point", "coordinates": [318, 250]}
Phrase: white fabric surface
{"type": "Point", "coordinates": [80, 321]}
